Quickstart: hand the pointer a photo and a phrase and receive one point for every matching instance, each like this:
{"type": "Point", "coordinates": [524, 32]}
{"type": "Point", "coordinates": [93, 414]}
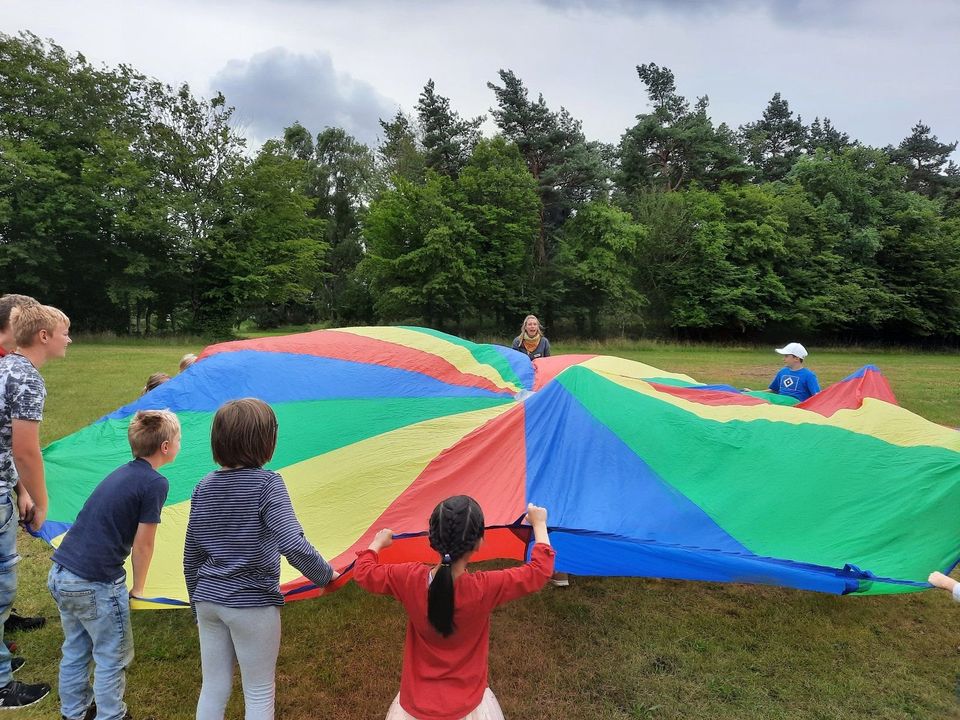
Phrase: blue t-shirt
{"type": "Point", "coordinates": [800, 384]}
{"type": "Point", "coordinates": [100, 540]}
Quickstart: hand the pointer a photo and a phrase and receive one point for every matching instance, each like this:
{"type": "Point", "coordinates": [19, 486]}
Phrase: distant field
{"type": "Point", "coordinates": [603, 649]}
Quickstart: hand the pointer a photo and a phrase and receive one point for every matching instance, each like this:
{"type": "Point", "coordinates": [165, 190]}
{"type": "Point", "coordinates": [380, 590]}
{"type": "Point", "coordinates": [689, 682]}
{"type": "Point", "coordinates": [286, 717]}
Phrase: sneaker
{"type": "Point", "coordinates": [17, 622]}
{"type": "Point", "coordinates": [16, 663]}
{"type": "Point", "coordinates": [560, 580]}
{"type": "Point", "coordinates": [18, 694]}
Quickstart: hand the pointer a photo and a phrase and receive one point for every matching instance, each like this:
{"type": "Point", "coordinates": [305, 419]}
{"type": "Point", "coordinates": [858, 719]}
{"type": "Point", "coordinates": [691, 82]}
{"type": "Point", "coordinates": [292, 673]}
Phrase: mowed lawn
{"type": "Point", "coordinates": [605, 648]}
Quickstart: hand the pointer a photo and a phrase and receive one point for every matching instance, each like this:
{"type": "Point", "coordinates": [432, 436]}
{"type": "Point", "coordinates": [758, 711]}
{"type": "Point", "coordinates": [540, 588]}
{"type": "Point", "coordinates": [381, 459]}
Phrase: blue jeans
{"type": "Point", "coordinates": [9, 524]}
{"type": "Point", "coordinates": [96, 626]}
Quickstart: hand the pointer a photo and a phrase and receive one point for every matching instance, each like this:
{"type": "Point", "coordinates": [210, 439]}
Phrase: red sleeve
{"type": "Point", "coordinates": [374, 577]}
{"type": "Point", "coordinates": [512, 583]}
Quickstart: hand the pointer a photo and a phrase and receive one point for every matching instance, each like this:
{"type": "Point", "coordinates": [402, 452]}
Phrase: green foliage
{"type": "Point", "coordinates": [421, 261]}
{"type": "Point", "coordinates": [338, 175]}
{"type": "Point", "coordinates": [673, 146]}
{"type": "Point", "coordinates": [135, 206]}
{"type": "Point", "coordinates": [274, 252]}
{"type": "Point", "coordinates": [775, 142]}
{"type": "Point", "coordinates": [399, 154]}
{"type": "Point", "coordinates": [926, 160]}
{"type": "Point", "coordinates": [598, 252]}
{"type": "Point", "coordinates": [447, 140]}
{"type": "Point", "coordinates": [568, 170]}
{"type": "Point", "coordinates": [498, 197]}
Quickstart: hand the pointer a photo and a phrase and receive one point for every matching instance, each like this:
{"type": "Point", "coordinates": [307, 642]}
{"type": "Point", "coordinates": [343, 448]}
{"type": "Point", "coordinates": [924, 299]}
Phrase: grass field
{"type": "Point", "coordinates": [605, 648]}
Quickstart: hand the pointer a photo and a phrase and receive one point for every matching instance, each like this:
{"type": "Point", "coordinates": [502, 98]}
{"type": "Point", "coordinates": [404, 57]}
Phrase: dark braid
{"type": "Point", "coordinates": [456, 525]}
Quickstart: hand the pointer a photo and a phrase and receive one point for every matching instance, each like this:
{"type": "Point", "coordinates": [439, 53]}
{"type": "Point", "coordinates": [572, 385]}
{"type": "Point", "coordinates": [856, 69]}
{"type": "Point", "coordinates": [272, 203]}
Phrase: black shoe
{"type": "Point", "coordinates": [18, 694]}
{"type": "Point", "coordinates": [18, 623]}
{"type": "Point", "coordinates": [16, 663]}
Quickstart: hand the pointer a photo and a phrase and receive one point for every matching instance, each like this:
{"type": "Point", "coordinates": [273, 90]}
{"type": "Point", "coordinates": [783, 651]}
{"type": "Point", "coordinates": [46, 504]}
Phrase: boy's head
{"type": "Point", "coordinates": [42, 325]}
{"type": "Point", "coordinates": [793, 354]}
{"type": "Point", "coordinates": [154, 381]}
{"type": "Point", "coordinates": [187, 360]}
{"type": "Point", "coordinates": [9, 309]}
{"type": "Point", "coordinates": [244, 434]}
{"type": "Point", "coordinates": [152, 432]}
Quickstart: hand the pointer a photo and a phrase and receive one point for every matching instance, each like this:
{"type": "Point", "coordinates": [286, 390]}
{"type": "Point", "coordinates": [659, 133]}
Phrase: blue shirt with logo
{"type": "Point", "coordinates": [800, 384]}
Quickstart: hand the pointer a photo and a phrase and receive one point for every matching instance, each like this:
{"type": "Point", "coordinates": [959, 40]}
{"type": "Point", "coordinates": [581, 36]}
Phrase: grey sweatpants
{"type": "Point", "coordinates": [249, 636]}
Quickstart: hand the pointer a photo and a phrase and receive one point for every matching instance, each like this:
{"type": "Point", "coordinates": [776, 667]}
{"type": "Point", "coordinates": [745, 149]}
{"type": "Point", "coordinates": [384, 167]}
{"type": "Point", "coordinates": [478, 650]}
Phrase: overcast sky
{"type": "Point", "coordinates": [875, 67]}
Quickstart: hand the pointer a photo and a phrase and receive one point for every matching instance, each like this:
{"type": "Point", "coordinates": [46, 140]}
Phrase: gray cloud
{"type": "Point", "coordinates": [785, 12]}
{"type": "Point", "coordinates": [273, 89]}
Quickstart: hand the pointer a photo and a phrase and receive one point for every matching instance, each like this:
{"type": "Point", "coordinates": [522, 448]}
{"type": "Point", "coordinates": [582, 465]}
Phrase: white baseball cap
{"type": "Point", "coordinates": [793, 349]}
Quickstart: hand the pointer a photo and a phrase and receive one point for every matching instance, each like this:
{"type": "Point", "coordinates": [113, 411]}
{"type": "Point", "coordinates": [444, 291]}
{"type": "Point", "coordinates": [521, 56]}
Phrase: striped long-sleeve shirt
{"type": "Point", "coordinates": [241, 522]}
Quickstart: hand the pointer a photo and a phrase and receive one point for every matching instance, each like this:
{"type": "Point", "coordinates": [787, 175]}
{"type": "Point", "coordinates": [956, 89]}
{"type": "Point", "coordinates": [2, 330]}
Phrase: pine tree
{"type": "Point", "coordinates": [447, 139]}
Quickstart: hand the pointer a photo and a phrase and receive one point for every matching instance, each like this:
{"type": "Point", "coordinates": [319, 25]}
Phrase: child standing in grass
{"type": "Point", "coordinates": [241, 522]}
{"type": "Point", "coordinates": [41, 333]}
{"type": "Point", "coordinates": [88, 581]}
{"type": "Point", "coordinates": [448, 628]}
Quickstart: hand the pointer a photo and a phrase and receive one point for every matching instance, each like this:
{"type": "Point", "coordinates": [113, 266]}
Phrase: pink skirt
{"type": "Point", "coordinates": [488, 709]}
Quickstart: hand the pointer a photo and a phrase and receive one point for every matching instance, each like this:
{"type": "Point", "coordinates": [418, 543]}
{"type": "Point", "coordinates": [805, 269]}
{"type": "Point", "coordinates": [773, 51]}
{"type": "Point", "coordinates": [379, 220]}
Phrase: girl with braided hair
{"type": "Point", "coordinates": [448, 611]}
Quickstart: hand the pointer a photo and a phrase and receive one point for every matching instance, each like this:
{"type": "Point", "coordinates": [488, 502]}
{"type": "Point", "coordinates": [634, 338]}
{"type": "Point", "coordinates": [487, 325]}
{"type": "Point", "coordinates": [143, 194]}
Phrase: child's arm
{"type": "Point", "coordinates": [142, 555]}
{"type": "Point", "coordinates": [513, 583]}
{"type": "Point", "coordinates": [537, 517]}
{"type": "Point", "coordinates": [938, 579]}
{"type": "Point", "coordinates": [282, 520]}
{"type": "Point", "coordinates": [29, 461]}
{"type": "Point", "coordinates": [193, 556]}
{"type": "Point", "coordinates": [368, 572]}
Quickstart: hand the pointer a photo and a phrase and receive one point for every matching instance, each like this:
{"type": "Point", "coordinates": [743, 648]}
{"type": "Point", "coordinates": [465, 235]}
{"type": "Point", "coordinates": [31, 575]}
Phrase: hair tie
{"type": "Point", "coordinates": [446, 559]}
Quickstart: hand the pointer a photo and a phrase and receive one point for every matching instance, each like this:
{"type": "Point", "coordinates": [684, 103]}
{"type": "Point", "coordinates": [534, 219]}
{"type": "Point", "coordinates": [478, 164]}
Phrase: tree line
{"type": "Point", "coordinates": [137, 207]}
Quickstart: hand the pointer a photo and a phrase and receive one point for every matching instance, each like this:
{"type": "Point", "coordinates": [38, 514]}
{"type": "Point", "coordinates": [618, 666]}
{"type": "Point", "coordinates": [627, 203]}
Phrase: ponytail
{"type": "Point", "coordinates": [456, 525]}
{"type": "Point", "coordinates": [440, 600]}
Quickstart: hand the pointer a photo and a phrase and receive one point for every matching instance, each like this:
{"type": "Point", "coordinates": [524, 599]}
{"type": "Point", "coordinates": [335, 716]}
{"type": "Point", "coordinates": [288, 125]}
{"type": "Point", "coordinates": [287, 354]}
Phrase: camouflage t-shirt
{"type": "Point", "coordinates": [22, 393]}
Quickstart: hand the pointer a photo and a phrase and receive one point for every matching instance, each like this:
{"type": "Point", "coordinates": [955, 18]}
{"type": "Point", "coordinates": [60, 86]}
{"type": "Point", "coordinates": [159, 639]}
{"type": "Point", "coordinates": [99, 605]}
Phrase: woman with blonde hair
{"type": "Point", "coordinates": [531, 340]}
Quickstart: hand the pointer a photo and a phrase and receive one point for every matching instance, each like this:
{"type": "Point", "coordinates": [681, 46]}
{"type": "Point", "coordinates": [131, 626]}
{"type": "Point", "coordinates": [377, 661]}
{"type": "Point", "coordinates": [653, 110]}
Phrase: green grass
{"type": "Point", "coordinates": [603, 649]}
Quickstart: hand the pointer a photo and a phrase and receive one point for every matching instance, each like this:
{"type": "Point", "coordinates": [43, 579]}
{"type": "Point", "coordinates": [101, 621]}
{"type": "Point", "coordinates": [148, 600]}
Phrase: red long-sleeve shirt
{"type": "Point", "coordinates": [444, 678]}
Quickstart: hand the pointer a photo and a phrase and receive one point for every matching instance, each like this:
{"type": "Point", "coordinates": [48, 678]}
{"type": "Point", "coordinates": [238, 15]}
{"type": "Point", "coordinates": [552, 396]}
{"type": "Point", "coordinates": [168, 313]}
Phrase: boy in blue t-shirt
{"type": "Point", "coordinates": [88, 580]}
{"type": "Point", "coordinates": [794, 380]}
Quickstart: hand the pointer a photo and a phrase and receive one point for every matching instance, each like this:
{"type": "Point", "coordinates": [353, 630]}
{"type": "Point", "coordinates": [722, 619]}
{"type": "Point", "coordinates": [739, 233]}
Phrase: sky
{"type": "Point", "coordinates": [875, 67]}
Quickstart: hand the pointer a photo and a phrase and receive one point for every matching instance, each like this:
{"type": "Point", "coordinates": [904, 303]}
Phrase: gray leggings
{"type": "Point", "coordinates": [251, 636]}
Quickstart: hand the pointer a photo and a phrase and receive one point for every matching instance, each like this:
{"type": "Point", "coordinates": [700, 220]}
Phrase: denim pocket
{"type": "Point", "coordinates": [82, 604]}
{"type": "Point", "coordinates": [7, 513]}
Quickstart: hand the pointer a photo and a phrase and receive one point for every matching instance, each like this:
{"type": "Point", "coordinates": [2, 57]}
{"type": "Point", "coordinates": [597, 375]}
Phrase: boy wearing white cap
{"type": "Point", "coordinates": [794, 380]}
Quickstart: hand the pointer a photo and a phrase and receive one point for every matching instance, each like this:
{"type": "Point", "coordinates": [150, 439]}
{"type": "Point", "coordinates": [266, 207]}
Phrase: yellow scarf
{"type": "Point", "coordinates": [531, 342]}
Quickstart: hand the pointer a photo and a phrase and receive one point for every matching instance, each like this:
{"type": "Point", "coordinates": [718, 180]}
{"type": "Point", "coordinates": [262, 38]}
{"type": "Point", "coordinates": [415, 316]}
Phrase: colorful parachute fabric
{"type": "Point", "coordinates": [644, 472]}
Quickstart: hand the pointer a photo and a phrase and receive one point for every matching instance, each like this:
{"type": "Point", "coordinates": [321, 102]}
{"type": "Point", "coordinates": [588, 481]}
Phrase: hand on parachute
{"type": "Point", "coordinates": [383, 539]}
{"type": "Point", "coordinates": [536, 514]}
{"type": "Point", "coordinates": [36, 519]}
{"type": "Point", "coordinates": [938, 579]}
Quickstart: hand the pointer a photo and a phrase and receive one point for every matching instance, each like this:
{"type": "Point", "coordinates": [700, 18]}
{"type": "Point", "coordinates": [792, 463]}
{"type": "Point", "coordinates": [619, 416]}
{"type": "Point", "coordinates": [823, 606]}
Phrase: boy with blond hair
{"type": "Point", "coordinates": [41, 333]}
{"type": "Point", "coordinates": [10, 305]}
{"type": "Point", "coordinates": [88, 580]}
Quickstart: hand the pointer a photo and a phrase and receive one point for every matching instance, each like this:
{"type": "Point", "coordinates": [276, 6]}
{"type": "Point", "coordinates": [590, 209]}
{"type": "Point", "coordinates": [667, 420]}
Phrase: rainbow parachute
{"type": "Point", "coordinates": [644, 472]}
